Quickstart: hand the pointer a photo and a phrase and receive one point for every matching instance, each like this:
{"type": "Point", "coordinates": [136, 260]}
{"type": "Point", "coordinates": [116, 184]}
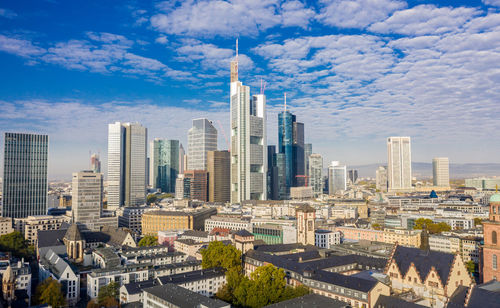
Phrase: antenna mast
{"type": "Point", "coordinates": [285, 101]}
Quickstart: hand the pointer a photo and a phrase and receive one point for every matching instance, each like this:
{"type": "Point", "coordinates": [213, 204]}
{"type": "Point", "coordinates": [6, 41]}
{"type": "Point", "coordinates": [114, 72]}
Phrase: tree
{"type": "Point", "coordinates": [432, 227]}
{"type": "Point", "coordinates": [377, 226]}
{"type": "Point", "coordinates": [148, 240]}
{"type": "Point", "coordinates": [151, 198]}
{"type": "Point", "coordinates": [16, 243]}
{"type": "Point", "coordinates": [471, 266]}
{"type": "Point", "coordinates": [217, 254]}
{"type": "Point", "coordinates": [49, 292]}
{"type": "Point", "coordinates": [478, 221]}
{"type": "Point", "coordinates": [108, 295]}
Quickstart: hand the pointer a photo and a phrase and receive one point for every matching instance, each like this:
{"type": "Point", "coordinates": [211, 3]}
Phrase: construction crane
{"type": "Point", "coordinates": [225, 137]}
{"type": "Point", "coordinates": [303, 176]}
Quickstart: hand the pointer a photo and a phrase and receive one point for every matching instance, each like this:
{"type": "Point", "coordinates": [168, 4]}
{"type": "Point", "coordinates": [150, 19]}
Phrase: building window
{"type": "Point", "coordinates": [494, 261]}
{"type": "Point", "coordinates": [494, 237]}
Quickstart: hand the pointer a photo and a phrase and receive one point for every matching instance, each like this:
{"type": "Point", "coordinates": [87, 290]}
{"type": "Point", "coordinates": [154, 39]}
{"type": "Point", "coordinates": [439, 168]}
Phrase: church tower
{"type": "Point", "coordinates": [75, 243]}
{"type": "Point", "coordinates": [9, 285]}
{"type": "Point", "coordinates": [490, 268]}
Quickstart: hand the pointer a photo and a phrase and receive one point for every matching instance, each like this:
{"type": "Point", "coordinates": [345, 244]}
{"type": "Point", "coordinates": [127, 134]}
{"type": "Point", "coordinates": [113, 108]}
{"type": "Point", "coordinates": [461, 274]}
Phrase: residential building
{"type": "Point", "coordinates": [399, 163]}
{"type": "Point", "coordinates": [95, 163]}
{"type": "Point", "coordinates": [30, 225]}
{"type": "Point", "coordinates": [410, 238]}
{"type": "Point", "coordinates": [130, 217]}
{"type": "Point", "coordinates": [202, 137]}
{"type": "Point", "coordinates": [306, 216]}
{"type": "Point", "coordinates": [326, 238]}
{"type": "Point", "coordinates": [164, 164]}
{"type": "Point", "coordinates": [87, 193]}
{"type": "Point", "coordinates": [316, 173]}
{"type": "Point", "coordinates": [171, 295]}
{"type": "Point", "coordinates": [25, 175]}
{"type": "Point", "coordinates": [160, 220]}
{"type": "Point", "coordinates": [198, 184]}
{"type": "Point", "coordinates": [381, 179]}
{"type": "Point", "coordinates": [16, 277]}
{"type": "Point", "coordinates": [301, 192]}
{"type": "Point", "coordinates": [337, 178]}
{"type": "Point", "coordinates": [6, 225]}
{"type": "Point", "coordinates": [127, 148]}
{"type": "Point", "coordinates": [248, 141]}
{"type": "Point", "coordinates": [489, 268]}
{"type": "Point", "coordinates": [441, 171]}
{"type": "Point", "coordinates": [219, 176]}
{"type": "Point", "coordinates": [53, 265]}
{"type": "Point", "coordinates": [227, 222]}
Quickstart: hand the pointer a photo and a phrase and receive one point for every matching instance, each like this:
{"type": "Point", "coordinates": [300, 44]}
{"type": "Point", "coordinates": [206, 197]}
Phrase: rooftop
{"type": "Point", "coordinates": [310, 301]}
{"type": "Point", "coordinates": [181, 297]}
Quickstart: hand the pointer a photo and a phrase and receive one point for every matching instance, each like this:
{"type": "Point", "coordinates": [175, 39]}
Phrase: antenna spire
{"type": "Point", "coordinates": [236, 49]}
{"type": "Point", "coordinates": [285, 101]}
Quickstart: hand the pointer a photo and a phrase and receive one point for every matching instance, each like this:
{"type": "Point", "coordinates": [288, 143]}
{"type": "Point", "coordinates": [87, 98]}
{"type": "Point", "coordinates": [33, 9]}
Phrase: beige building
{"type": "Point", "coordinates": [160, 220]}
{"type": "Point", "coordinates": [87, 188]}
{"type": "Point", "coordinates": [6, 225]}
{"type": "Point", "coordinates": [410, 238]}
{"type": "Point", "coordinates": [306, 216]}
{"type": "Point", "coordinates": [441, 171]}
{"type": "Point", "coordinates": [219, 175]}
{"type": "Point", "coordinates": [30, 225]}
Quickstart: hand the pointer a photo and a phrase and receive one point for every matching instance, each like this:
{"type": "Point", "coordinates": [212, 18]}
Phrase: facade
{"type": "Point", "coordinates": [291, 144]}
{"type": "Point", "coordinates": [30, 225]}
{"type": "Point", "coordinates": [16, 277]}
{"type": "Point", "coordinates": [171, 295]}
{"type": "Point", "coordinates": [52, 265]}
{"type": "Point", "coordinates": [441, 171]}
{"type": "Point", "coordinates": [219, 175]}
{"type": "Point", "coordinates": [326, 238]}
{"type": "Point", "coordinates": [182, 160]}
{"type": "Point", "coordinates": [182, 187]}
{"type": "Point", "coordinates": [353, 176]}
{"type": "Point", "coordinates": [226, 222]}
{"type": "Point", "coordinates": [127, 148]}
{"type": "Point", "coordinates": [490, 268]}
{"type": "Point", "coordinates": [306, 216]}
{"type": "Point", "coordinates": [399, 163]}
{"type": "Point", "coordinates": [248, 141]}
{"type": "Point", "coordinates": [164, 164]}
{"type": "Point", "coordinates": [87, 187]}
{"type": "Point", "coordinates": [272, 174]}
{"type": "Point", "coordinates": [202, 137]}
{"type": "Point", "coordinates": [25, 175]}
{"type": "Point", "coordinates": [483, 183]}
{"type": "Point", "coordinates": [6, 225]}
{"type": "Point", "coordinates": [131, 218]}
{"type": "Point", "coordinates": [337, 178]}
{"type": "Point", "coordinates": [315, 173]}
{"type": "Point", "coordinates": [307, 152]}
{"type": "Point", "coordinates": [160, 220]}
{"type": "Point", "coordinates": [198, 184]}
{"type": "Point", "coordinates": [95, 163]}
{"type": "Point", "coordinates": [381, 178]}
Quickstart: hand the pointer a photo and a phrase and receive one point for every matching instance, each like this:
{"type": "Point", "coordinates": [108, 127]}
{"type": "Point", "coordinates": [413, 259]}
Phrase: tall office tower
{"type": "Point", "coordinates": [95, 163]}
{"type": "Point", "coordinates": [248, 141]}
{"type": "Point", "coordinates": [86, 201]}
{"type": "Point", "coordinates": [164, 164]}
{"type": "Point", "coordinates": [283, 193]}
{"type": "Point", "coordinates": [381, 178]}
{"type": "Point", "coordinates": [298, 154]}
{"type": "Point", "coordinates": [182, 154]}
{"type": "Point", "coordinates": [25, 175]}
{"type": "Point", "coordinates": [307, 152]}
{"type": "Point", "coordinates": [337, 178]}
{"type": "Point", "coordinates": [399, 162]}
{"type": "Point", "coordinates": [272, 174]}
{"type": "Point", "coordinates": [202, 137]}
{"type": "Point", "coordinates": [441, 171]}
{"type": "Point", "coordinates": [127, 148]}
{"type": "Point", "coordinates": [218, 167]}
{"type": "Point", "coordinates": [316, 173]}
{"type": "Point", "coordinates": [353, 176]}
{"type": "Point", "coordinates": [148, 168]}
{"type": "Point", "coordinates": [198, 184]}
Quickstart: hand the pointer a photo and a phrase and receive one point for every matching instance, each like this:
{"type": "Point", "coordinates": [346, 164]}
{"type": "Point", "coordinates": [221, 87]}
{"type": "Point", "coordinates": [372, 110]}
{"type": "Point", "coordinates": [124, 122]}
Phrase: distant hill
{"type": "Point", "coordinates": [424, 170]}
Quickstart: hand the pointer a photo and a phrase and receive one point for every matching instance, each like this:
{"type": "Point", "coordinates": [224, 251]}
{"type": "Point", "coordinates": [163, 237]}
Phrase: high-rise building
{"type": "Point", "coordinates": [127, 148]}
{"type": "Point", "coordinates": [272, 174]}
{"type": "Point", "coordinates": [182, 159]}
{"type": "Point", "coordinates": [298, 154]}
{"type": "Point", "coordinates": [248, 141]}
{"type": "Point", "coordinates": [86, 197]}
{"type": "Point", "coordinates": [441, 171]}
{"type": "Point", "coordinates": [307, 153]}
{"type": "Point", "coordinates": [198, 184]}
{"type": "Point", "coordinates": [95, 163]}
{"type": "Point", "coordinates": [280, 164]}
{"type": "Point", "coordinates": [316, 173]}
{"type": "Point", "coordinates": [218, 167]}
{"type": "Point", "coordinates": [202, 137]}
{"type": "Point", "coordinates": [353, 176]}
{"type": "Point", "coordinates": [25, 175]}
{"type": "Point", "coordinates": [164, 164]}
{"type": "Point", "coordinates": [399, 163]}
{"type": "Point", "coordinates": [337, 178]}
{"type": "Point", "coordinates": [381, 178]}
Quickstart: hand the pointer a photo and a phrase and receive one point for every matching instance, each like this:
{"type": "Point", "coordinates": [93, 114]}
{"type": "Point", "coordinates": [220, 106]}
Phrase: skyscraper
{"type": "Point", "coordinates": [441, 171]}
{"type": "Point", "coordinates": [198, 184]}
{"type": "Point", "coordinates": [202, 137]}
{"type": "Point", "coordinates": [381, 178]}
{"type": "Point", "coordinates": [164, 164]}
{"type": "Point", "coordinates": [218, 167]}
{"type": "Point", "coordinates": [86, 198]}
{"type": "Point", "coordinates": [182, 154]}
{"type": "Point", "coordinates": [307, 153]}
{"type": "Point", "coordinates": [399, 163]}
{"type": "Point", "coordinates": [126, 164]}
{"type": "Point", "coordinates": [353, 176]}
{"type": "Point", "coordinates": [272, 174]}
{"type": "Point", "coordinates": [95, 163]}
{"type": "Point", "coordinates": [298, 154]}
{"type": "Point", "coordinates": [316, 173]}
{"type": "Point", "coordinates": [337, 178]}
{"type": "Point", "coordinates": [25, 175]}
{"type": "Point", "coordinates": [248, 141]}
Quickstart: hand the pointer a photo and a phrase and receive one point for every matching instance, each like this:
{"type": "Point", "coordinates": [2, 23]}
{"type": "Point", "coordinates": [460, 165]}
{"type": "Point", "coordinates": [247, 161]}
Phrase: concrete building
{"type": "Point", "coordinates": [248, 141]}
{"type": "Point", "coordinates": [6, 225]}
{"type": "Point", "coordinates": [170, 295]}
{"type": "Point", "coordinates": [202, 137]}
{"type": "Point", "coordinates": [399, 163]}
{"type": "Point", "coordinates": [25, 175]}
{"type": "Point", "coordinates": [337, 178]}
{"type": "Point", "coordinates": [95, 163]}
{"type": "Point", "coordinates": [160, 220]}
{"type": "Point", "coordinates": [87, 192]}
{"type": "Point", "coordinates": [227, 222]}
{"type": "Point", "coordinates": [326, 238]}
{"type": "Point", "coordinates": [441, 171]}
{"type": "Point", "coordinates": [127, 149]}
{"type": "Point", "coordinates": [306, 216]}
{"type": "Point", "coordinates": [275, 234]}
{"type": "Point", "coordinates": [30, 225]}
{"type": "Point", "coordinates": [483, 183]}
{"type": "Point", "coordinates": [198, 184]}
{"type": "Point", "coordinates": [381, 179]}
{"type": "Point", "coordinates": [219, 176]}
{"type": "Point", "coordinates": [164, 164]}
{"type": "Point", "coordinates": [316, 173]}
{"type": "Point", "coordinates": [130, 217]}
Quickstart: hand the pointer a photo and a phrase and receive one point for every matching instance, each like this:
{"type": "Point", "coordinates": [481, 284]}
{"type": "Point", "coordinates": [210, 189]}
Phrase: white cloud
{"type": "Point", "coordinates": [492, 2]}
{"type": "Point", "coordinates": [357, 14]}
{"type": "Point", "coordinates": [19, 47]}
{"type": "Point", "coordinates": [161, 40]}
{"type": "Point", "coordinates": [294, 13]}
{"type": "Point", "coordinates": [7, 13]}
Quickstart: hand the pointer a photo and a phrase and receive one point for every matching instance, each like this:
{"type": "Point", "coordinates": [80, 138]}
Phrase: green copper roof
{"type": "Point", "coordinates": [495, 198]}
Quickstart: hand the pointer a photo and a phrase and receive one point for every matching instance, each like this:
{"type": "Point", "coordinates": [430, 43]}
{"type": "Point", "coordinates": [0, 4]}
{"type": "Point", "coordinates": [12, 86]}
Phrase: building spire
{"type": "Point", "coordinates": [285, 100]}
{"type": "Point", "coordinates": [234, 65]}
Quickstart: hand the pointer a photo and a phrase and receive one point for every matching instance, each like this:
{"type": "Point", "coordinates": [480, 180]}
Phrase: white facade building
{"type": "Point", "coordinates": [337, 178]}
{"type": "Point", "coordinates": [202, 137]}
{"type": "Point", "coordinates": [441, 171]}
{"type": "Point", "coordinates": [86, 199]}
{"type": "Point", "coordinates": [52, 265]}
{"type": "Point", "coordinates": [227, 223]}
{"type": "Point", "coordinates": [326, 238]}
{"type": "Point", "coordinates": [399, 163]}
{"type": "Point", "coordinates": [316, 173]}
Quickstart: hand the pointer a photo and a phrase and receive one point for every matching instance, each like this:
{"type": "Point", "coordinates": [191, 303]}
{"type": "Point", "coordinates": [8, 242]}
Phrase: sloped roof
{"type": "Point", "coordinates": [243, 233]}
{"type": "Point", "coordinates": [73, 233]}
{"type": "Point", "coordinates": [481, 296]}
{"type": "Point", "coordinates": [394, 302]}
{"type": "Point", "coordinates": [51, 238]}
{"type": "Point", "coordinates": [8, 275]}
{"type": "Point", "coordinates": [310, 301]}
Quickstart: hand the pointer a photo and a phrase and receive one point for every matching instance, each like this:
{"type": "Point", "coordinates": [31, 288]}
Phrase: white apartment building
{"type": "Point", "coordinates": [326, 238]}
{"type": "Point", "coordinates": [441, 171]}
{"type": "Point", "coordinates": [227, 223]}
{"type": "Point", "coordinates": [30, 225]}
{"type": "Point", "coordinates": [399, 163]}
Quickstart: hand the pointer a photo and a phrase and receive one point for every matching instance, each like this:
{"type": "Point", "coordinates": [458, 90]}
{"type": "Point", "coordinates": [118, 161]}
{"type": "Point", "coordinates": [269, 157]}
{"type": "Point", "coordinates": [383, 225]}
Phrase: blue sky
{"type": "Point", "coordinates": [355, 72]}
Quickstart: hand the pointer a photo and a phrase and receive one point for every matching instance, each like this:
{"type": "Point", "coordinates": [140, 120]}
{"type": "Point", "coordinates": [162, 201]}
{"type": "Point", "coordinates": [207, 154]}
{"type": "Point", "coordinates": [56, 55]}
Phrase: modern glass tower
{"type": "Point", "coordinates": [164, 164]}
{"type": "Point", "coordinates": [202, 137]}
{"type": "Point", "coordinates": [316, 173]}
{"type": "Point", "coordinates": [399, 163]}
{"type": "Point", "coordinates": [25, 175]}
{"type": "Point", "coordinates": [337, 178]}
{"type": "Point", "coordinates": [272, 174]}
{"type": "Point", "coordinates": [307, 153]}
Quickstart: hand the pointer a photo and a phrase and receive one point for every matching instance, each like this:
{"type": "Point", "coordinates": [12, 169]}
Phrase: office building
{"type": "Point", "coordinates": [202, 137]}
{"type": "Point", "coordinates": [164, 168]}
{"type": "Point", "coordinates": [95, 163]}
{"type": "Point", "coordinates": [131, 218]}
{"type": "Point", "coordinates": [381, 178]}
{"type": "Point", "coordinates": [272, 174]}
{"type": "Point", "coordinates": [280, 165]}
{"type": "Point", "coordinates": [326, 238]}
{"type": "Point", "coordinates": [154, 221]}
{"type": "Point", "coordinates": [316, 173]}
{"type": "Point", "coordinates": [182, 159]}
{"type": "Point", "coordinates": [248, 141]}
{"type": "Point", "coordinates": [399, 163]}
{"type": "Point", "coordinates": [353, 176]}
{"type": "Point", "coordinates": [307, 153]}
{"type": "Point", "coordinates": [198, 184]}
{"type": "Point", "coordinates": [25, 175]}
{"type": "Point", "coordinates": [298, 154]}
{"type": "Point", "coordinates": [337, 178]}
{"type": "Point", "coordinates": [127, 147]}
{"type": "Point", "coordinates": [441, 171]}
{"type": "Point", "coordinates": [87, 188]}
{"type": "Point", "coordinates": [219, 173]}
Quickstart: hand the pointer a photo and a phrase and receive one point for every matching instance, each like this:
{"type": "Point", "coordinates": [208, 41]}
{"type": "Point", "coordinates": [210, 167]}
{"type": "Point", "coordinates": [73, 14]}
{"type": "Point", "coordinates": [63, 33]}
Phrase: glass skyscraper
{"type": "Point", "coordinates": [25, 175]}
{"type": "Point", "coordinates": [307, 151]}
{"type": "Point", "coordinates": [164, 164]}
{"type": "Point", "coordinates": [202, 137]}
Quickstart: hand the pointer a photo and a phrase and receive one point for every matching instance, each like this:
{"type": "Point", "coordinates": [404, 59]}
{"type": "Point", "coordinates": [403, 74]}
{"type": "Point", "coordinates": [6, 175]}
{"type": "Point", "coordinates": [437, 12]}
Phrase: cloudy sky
{"type": "Point", "coordinates": [355, 72]}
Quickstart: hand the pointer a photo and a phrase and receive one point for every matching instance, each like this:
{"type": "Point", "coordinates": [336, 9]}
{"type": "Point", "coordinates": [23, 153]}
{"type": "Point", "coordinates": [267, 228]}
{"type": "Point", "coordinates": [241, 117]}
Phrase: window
{"type": "Point", "coordinates": [494, 261]}
{"type": "Point", "coordinates": [494, 237]}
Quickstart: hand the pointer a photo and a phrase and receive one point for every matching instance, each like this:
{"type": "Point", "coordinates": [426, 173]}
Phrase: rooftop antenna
{"type": "Point", "coordinates": [285, 101]}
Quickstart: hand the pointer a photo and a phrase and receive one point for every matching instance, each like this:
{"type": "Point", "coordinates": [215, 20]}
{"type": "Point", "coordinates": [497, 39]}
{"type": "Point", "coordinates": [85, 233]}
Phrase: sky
{"type": "Point", "coordinates": [355, 72]}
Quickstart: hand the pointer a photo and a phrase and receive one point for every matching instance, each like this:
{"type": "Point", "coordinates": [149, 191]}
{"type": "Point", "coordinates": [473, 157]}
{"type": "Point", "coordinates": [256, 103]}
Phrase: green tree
{"type": "Point", "coordinates": [151, 198]}
{"type": "Point", "coordinates": [432, 227]}
{"type": "Point", "coordinates": [419, 223]}
{"type": "Point", "coordinates": [16, 243]}
{"type": "Point", "coordinates": [478, 221]}
{"type": "Point", "coordinates": [49, 292]}
{"type": "Point", "coordinates": [108, 295]}
{"type": "Point", "coordinates": [377, 226]}
{"type": "Point", "coordinates": [148, 240]}
{"type": "Point", "coordinates": [219, 255]}
{"type": "Point", "coordinates": [471, 266]}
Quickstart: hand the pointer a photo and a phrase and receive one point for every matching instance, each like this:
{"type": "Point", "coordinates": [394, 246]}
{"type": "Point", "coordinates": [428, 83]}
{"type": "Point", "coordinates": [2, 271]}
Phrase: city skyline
{"type": "Point", "coordinates": [419, 77]}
